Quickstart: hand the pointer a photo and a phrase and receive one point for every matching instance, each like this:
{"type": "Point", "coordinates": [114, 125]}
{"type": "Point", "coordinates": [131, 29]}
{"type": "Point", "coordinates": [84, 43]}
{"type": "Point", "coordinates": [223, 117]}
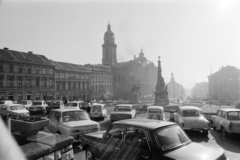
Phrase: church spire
{"type": "Point", "coordinates": [108, 27]}
{"type": "Point", "coordinates": [159, 67]}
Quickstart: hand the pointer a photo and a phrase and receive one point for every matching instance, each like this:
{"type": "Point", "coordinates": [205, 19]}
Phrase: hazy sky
{"type": "Point", "coordinates": [189, 35]}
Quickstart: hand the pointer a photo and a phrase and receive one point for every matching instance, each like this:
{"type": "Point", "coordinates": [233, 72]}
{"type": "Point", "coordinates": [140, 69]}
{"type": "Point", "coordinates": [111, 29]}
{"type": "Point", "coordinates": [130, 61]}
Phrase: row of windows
{"type": "Point", "coordinates": [71, 75]}
{"type": "Point", "coordinates": [101, 88]}
{"type": "Point", "coordinates": [26, 69]}
{"type": "Point", "coordinates": [101, 79]}
{"type": "Point", "coordinates": [72, 85]}
{"type": "Point", "coordinates": [27, 83]}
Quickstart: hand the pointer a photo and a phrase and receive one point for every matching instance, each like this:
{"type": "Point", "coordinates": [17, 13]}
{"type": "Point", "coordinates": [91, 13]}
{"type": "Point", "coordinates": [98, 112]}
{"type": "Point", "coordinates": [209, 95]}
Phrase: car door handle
{"type": "Point", "coordinates": [116, 148]}
{"type": "Point", "coordinates": [146, 157]}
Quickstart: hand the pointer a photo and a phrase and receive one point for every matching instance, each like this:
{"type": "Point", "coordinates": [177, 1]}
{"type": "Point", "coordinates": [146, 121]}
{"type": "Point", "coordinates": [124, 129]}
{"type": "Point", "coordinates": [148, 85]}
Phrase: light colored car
{"type": "Point", "coordinates": [227, 120]}
{"type": "Point", "coordinates": [98, 111]}
{"type": "Point", "coordinates": [26, 103]}
{"type": "Point", "coordinates": [74, 104]}
{"type": "Point", "coordinates": [155, 112]}
{"type": "Point", "coordinates": [14, 108]}
{"type": "Point", "coordinates": [190, 118]}
{"type": "Point", "coordinates": [38, 106]}
{"type": "Point", "coordinates": [6, 102]}
{"type": "Point", "coordinates": [122, 111]}
{"type": "Point", "coordinates": [72, 122]}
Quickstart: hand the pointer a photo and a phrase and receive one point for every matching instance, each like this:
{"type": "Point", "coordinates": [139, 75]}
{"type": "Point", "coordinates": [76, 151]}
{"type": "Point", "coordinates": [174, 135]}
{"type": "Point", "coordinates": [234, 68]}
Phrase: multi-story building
{"type": "Point", "coordinates": [175, 90]}
{"type": "Point", "coordinates": [25, 76]}
{"type": "Point", "coordinates": [72, 81]}
{"type": "Point", "coordinates": [101, 81]}
{"type": "Point", "coordinates": [224, 85]}
{"type": "Point", "coordinates": [139, 71]}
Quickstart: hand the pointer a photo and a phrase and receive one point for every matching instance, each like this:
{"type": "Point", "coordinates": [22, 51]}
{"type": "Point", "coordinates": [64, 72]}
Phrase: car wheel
{"type": "Point", "coordinates": [224, 132]}
{"type": "Point", "coordinates": [58, 132]}
{"type": "Point", "coordinates": [89, 154]}
{"type": "Point", "coordinates": [205, 132]}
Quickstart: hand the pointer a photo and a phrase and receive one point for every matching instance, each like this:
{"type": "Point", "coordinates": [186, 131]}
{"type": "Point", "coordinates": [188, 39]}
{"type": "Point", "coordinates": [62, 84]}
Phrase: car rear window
{"type": "Point", "coordinates": [234, 115]}
{"type": "Point", "coordinates": [190, 113]}
{"type": "Point", "coordinates": [37, 103]}
{"type": "Point", "coordinates": [96, 108]}
{"type": "Point", "coordinates": [154, 111]}
{"type": "Point", "coordinates": [122, 108]}
{"type": "Point", "coordinates": [19, 107]}
{"type": "Point", "coordinates": [72, 104]}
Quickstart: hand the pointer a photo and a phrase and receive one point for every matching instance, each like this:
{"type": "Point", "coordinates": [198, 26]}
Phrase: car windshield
{"type": "Point", "coordinates": [190, 113]}
{"type": "Point", "coordinates": [234, 115]}
{"type": "Point", "coordinates": [96, 108]}
{"type": "Point", "coordinates": [72, 104]}
{"type": "Point", "coordinates": [74, 116]}
{"type": "Point", "coordinates": [37, 103]}
{"type": "Point", "coordinates": [122, 108]}
{"type": "Point", "coordinates": [19, 107]}
{"type": "Point", "coordinates": [171, 137]}
{"type": "Point", "coordinates": [154, 111]}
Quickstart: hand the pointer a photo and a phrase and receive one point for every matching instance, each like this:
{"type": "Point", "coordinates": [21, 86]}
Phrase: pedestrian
{"type": "Point", "coordinates": [88, 107]}
{"type": "Point", "coordinates": [65, 102]}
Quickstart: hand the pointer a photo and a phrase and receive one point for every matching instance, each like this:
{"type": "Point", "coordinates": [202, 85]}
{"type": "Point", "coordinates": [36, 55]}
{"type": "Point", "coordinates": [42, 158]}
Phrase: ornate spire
{"type": "Point", "coordinates": [159, 67]}
{"type": "Point", "coordinates": [109, 26]}
{"type": "Point", "coordinates": [172, 77]}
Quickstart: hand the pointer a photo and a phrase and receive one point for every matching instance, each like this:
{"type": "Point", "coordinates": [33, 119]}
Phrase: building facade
{"type": "Point", "coordinates": [139, 71]}
{"type": "Point", "coordinates": [25, 76]}
{"type": "Point", "coordinates": [224, 85]}
{"type": "Point", "coordinates": [101, 81]}
{"type": "Point", "coordinates": [175, 90]}
{"type": "Point", "coordinates": [72, 81]}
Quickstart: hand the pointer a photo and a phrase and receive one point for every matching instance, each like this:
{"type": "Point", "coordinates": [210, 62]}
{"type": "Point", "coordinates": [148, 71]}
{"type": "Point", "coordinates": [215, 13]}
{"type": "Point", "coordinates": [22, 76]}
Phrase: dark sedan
{"type": "Point", "coordinates": [145, 139]}
{"type": "Point", "coordinates": [53, 104]}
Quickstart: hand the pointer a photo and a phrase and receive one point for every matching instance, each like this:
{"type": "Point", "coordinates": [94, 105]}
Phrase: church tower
{"type": "Point", "coordinates": [109, 48]}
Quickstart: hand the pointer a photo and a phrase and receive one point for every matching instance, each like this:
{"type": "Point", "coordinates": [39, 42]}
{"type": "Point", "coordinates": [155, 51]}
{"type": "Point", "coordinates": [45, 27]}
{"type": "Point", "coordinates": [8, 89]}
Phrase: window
{"type": "Point", "coordinates": [93, 89]}
{"type": "Point", "coordinates": [224, 115]}
{"type": "Point", "coordinates": [19, 82]}
{"type": "Point", "coordinates": [50, 82]}
{"type": "Point", "coordinates": [115, 133]}
{"type": "Point", "coordinates": [29, 70]}
{"type": "Point", "coordinates": [51, 71]}
{"type": "Point", "coordinates": [29, 82]}
{"type": "Point", "coordinates": [1, 82]}
{"type": "Point", "coordinates": [86, 76]}
{"type": "Point", "coordinates": [37, 70]}
{"type": "Point", "coordinates": [10, 82]}
{"type": "Point", "coordinates": [57, 75]}
{"type": "Point", "coordinates": [10, 68]}
{"type": "Point", "coordinates": [219, 113]}
{"type": "Point", "coordinates": [38, 82]}
{"type": "Point", "coordinates": [44, 70]}
{"type": "Point", "coordinates": [20, 69]}
{"type": "Point", "coordinates": [1, 67]}
{"type": "Point", "coordinates": [133, 135]}
{"type": "Point", "coordinates": [57, 116]}
{"type": "Point", "coordinates": [51, 115]}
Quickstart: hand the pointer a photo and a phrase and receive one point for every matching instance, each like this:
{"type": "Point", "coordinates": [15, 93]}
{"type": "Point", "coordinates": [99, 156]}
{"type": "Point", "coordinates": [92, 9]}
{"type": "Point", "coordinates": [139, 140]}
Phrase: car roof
{"type": "Point", "coordinates": [14, 104]}
{"type": "Point", "coordinates": [155, 107]}
{"type": "Point", "coordinates": [67, 109]}
{"type": "Point", "coordinates": [189, 107]}
{"type": "Point", "coordinates": [148, 124]}
{"type": "Point", "coordinates": [229, 109]}
{"type": "Point", "coordinates": [75, 101]}
{"type": "Point", "coordinates": [38, 101]}
{"type": "Point", "coordinates": [124, 105]}
{"type": "Point", "coordinates": [98, 104]}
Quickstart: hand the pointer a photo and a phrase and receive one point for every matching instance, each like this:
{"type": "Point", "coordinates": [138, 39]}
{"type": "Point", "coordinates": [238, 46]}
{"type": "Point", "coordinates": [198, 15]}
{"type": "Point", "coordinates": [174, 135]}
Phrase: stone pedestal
{"type": "Point", "coordinates": [135, 98]}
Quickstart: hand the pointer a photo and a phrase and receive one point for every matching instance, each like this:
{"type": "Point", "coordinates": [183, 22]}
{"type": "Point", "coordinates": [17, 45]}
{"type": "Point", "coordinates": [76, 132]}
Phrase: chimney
{"type": "Point", "coordinates": [30, 52]}
{"type": "Point", "coordinates": [5, 48]}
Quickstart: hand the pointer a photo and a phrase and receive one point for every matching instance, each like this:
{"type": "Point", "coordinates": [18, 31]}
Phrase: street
{"type": "Point", "coordinates": [231, 145]}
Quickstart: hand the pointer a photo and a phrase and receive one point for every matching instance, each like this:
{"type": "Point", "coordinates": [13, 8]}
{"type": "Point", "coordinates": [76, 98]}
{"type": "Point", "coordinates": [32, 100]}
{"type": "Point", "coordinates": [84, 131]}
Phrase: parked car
{"type": "Point", "coordinates": [72, 122]}
{"type": "Point", "coordinates": [227, 120]}
{"type": "Point", "coordinates": [146, 139]}
{"type": "Point", "coordinates": [54, 104]}
{"type": "Point", "coordinates": [190, 118]}
{"type": "Point", "coordinates": [122, 111]}
{"type": "Point", "coordinates": [155, 112]}
{"type": "Point", "coordinates": [74, 104]}
{"type": "Point", "coordinates": [6, 102]}
{"type": "Point", "coordinates": [26, 103]}
{"type": "Point", "coordinates": [98, 111]}
{"type": "Point", "coordinates": [38, 106]}
{"type": "Point", "coordinates": [14, 108]}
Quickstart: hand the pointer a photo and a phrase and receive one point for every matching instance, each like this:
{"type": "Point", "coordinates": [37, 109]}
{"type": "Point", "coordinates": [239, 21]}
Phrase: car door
{"type": "Point", "coordinates": [133, 147]}
{"type": "Point", "coordinates": [54, 117]}
{"type": "Point", "coordinates": [111, 144]}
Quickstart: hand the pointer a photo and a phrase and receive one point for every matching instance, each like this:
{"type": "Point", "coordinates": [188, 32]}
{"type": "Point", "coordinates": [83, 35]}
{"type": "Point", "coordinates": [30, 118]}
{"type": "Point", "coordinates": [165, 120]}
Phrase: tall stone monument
{"type": "Point", "coordinates": [161, 93]}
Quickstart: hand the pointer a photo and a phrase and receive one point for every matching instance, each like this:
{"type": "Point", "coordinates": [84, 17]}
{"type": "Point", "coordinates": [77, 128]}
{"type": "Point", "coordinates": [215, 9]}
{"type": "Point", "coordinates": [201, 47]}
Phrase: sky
{"type": "Point", "coordinates": [193, 38]}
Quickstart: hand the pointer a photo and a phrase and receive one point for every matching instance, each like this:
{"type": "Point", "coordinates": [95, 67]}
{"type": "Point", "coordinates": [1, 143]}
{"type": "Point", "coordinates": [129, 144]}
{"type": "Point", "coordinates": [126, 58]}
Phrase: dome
{"type": "Point", "coordinates": [109, 35]}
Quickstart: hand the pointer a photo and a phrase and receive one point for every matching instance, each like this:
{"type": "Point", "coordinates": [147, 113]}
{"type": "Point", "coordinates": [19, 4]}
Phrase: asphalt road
{"type": "Point", "coordinates": [231, 145]}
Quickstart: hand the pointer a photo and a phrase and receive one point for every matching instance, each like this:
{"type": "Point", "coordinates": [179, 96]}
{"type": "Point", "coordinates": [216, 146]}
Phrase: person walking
{"type": "Point", "coordinates": [66, 101]}
{"type": "Point", "coordinates": [88, 107]}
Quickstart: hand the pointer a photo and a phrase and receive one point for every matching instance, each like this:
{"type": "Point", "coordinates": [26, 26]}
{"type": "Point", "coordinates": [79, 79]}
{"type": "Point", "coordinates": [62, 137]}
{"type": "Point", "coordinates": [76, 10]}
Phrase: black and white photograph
{"type": "Point", "coordinates": [119, 80]}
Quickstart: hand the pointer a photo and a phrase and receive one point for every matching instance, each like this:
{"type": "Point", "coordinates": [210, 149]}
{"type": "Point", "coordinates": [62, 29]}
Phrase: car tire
{"type": "Point", "coordinates": [224, 132]}
{"type": "Point", "coordinates": [58, 132]}
{"type": "Point", "coordinates": [205, 132]}
{"type": "Point", "coordinates": [89, 154]}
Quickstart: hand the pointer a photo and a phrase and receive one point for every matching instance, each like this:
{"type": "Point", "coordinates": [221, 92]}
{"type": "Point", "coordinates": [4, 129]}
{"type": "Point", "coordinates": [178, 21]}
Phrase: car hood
{"type": "Point", "coordinates": [20, 111]}
{"type": "Point", "coordinates": [198, 152]}
{"type": "Point", "coordinates": [80, 123]}
{"type": "Point", "coordinates": [98, 134]}
{"type": "Point", "coordinates": [128, 112]}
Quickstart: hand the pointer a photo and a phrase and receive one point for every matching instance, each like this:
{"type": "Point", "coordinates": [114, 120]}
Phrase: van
{"type": "Point", "coordinates": [98, 111]}
{"type": "Point", "coordinates": [155, 112]}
